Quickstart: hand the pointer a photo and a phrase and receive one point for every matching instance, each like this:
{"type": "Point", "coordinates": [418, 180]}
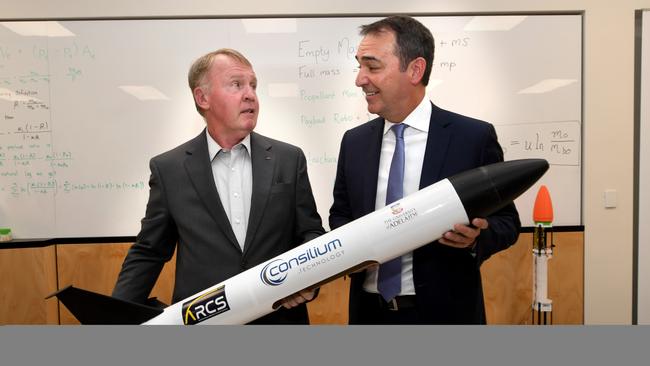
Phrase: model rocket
{"type": "Point", "coordinates": [413, 221]}
{"type": "Point", "coordinates": [542, 252]}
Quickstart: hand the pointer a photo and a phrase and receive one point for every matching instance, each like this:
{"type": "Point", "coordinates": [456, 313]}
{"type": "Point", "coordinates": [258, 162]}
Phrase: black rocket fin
{"type": "Point", "coordinates": [93, 308]}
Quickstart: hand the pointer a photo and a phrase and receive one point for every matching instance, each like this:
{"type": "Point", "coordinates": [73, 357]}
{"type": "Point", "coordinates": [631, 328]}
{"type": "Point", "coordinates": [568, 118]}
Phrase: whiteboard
{"type": "Point", "coordinates": [643, 204]}
{"type": "Point", "coordinates": [84, 105]}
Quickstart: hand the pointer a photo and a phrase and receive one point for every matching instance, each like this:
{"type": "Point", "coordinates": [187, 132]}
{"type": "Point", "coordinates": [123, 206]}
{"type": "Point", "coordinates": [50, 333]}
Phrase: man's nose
{"type": "Point", "coordinates": [361, 78]}
{"type": "Point", "coordinates": [250, 94]}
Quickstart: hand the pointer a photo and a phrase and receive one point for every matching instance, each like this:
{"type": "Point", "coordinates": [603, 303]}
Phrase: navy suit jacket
{"type": "Point", "coordinates": [184, 213]}
{"type": "Point", "coordinates": [447, 280]}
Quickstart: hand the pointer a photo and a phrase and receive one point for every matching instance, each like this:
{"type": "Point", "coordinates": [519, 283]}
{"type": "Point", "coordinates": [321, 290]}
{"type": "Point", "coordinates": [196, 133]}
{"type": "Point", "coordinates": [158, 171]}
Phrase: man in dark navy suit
{"type": "Point", "coordinates": [439, 283]}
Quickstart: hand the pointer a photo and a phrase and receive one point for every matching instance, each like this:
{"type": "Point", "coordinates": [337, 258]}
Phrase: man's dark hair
{"type": "Point", "coordinates": [412, 40]}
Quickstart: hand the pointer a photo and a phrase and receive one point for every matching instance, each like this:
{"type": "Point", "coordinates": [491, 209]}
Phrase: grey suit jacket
{"type": "Point", "coordinates": [185, 213]}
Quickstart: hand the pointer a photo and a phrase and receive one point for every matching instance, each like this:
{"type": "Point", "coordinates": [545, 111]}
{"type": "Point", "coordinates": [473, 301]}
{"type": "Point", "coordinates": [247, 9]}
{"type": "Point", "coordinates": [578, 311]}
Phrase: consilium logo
{"type": "Point", "coordinates": [205, 306]}
{"type": "Point", "coordinates": [271, 274]}
{"type": "Point", "coordinates": [275, 272]}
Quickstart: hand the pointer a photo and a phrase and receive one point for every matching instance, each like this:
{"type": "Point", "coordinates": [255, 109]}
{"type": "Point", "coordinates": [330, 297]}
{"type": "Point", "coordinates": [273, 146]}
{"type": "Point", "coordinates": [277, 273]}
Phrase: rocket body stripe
{"type": "Point", "coordinates": [396, 229]}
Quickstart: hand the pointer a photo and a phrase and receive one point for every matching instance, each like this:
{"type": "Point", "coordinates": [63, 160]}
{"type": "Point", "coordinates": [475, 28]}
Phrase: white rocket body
{"type": "Point", "coordinates": [399, 228]}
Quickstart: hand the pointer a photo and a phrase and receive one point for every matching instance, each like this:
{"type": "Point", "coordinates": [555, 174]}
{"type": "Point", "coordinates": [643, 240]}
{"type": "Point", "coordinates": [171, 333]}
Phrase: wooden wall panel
{"type": "Point", "coordinates": [95, 267]}
{"type": "Point", "coordinates": [566, 278]}
{"type": "Point", "coordinates": [507, 281]}
{"type": "Point", "coordinates": [331, 305]}
{"type": "Point", "coordinates": [27, 276]}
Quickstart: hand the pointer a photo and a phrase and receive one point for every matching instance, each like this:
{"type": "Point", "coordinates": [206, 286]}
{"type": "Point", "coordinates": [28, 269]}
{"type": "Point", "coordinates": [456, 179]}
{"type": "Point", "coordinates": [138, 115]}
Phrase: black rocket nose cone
{"type": "Point", "coordinates": [487, 189]}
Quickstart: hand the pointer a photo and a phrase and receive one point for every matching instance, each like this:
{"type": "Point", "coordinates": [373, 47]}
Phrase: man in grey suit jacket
{"type": "Point", "coordinates": [227, 200]}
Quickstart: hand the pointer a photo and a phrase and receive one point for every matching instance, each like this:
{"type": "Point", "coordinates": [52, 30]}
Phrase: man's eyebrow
{"type": "Point", "coordinates": [367, 58]}
{"type": "Point", "coordinates": [239, 76]}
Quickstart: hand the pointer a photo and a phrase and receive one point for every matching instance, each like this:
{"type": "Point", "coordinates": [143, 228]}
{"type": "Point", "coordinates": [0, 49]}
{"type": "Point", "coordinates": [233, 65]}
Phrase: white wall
{"type": "Point", "coordinates": [608, 105]}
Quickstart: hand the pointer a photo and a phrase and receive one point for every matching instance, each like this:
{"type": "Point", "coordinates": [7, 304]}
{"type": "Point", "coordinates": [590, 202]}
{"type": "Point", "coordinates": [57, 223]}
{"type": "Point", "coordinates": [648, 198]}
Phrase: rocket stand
{"type": "Point", "coordinates": [542, 307]}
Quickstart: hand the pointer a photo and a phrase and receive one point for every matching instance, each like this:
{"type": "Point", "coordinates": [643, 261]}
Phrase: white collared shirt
{"type": "Point", "coordinates": [232, 171]}
{"type": "Point", "coordinates": [415, 143]}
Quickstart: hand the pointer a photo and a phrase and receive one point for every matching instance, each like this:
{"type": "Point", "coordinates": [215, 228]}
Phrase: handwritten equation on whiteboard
{"type": "Point", "coordinates": [557, 142]}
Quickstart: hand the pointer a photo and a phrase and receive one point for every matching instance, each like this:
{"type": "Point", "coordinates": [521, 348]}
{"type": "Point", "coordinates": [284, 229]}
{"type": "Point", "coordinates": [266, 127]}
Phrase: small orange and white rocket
{"type": "Point", "coordinates": [542, 252]}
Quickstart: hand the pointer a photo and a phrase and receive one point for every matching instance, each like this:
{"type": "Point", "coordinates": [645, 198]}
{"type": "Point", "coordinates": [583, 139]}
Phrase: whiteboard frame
{"type": "Point", "coordinates": [104, 239]}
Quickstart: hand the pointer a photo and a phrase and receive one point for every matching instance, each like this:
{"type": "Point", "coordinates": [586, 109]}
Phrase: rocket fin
{"type": "Point", "coordinates": [93, 308]}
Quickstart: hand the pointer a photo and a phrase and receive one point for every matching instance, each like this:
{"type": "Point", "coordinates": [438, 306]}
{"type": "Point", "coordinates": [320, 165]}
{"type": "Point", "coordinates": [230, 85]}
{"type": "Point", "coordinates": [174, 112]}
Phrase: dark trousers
{"type": "Point", "coordinates": [374, 310]}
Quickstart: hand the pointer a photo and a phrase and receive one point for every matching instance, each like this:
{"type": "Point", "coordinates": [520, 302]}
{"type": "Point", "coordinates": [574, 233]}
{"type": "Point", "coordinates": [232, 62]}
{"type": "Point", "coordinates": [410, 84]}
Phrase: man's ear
{"type": "Point", "coordinates": [201, 98]}
{"type": "Point", "coordinates": [416, 70]}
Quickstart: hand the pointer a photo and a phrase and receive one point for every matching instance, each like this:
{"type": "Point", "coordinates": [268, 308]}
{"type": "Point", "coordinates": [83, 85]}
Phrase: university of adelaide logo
{"type": "Point", "coordinates": [396, 209]}
{"type": "Point", "coordinates": [399, 216]}
{"type": "Point", "coordinates": [205, 306]}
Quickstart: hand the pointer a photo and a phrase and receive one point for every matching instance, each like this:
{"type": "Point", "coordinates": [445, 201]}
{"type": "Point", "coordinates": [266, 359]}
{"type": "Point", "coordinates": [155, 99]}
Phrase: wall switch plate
{"type": "Point", "coordinates": [610, 198]}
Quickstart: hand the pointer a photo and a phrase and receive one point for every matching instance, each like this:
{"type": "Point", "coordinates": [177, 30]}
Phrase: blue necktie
{"type": "Point", "coordinates": [389, 282]}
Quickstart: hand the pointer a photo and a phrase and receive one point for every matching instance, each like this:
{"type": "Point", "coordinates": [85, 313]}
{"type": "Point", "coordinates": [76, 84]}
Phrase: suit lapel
{"type": "Point", "coordinates": [371, 169]}
{"type": "Point", "coordinates": [436, 150]}
{"type": "Point", "coordinates": [263, 162]}
{"type": "Point", "coordinates": [199, 170]}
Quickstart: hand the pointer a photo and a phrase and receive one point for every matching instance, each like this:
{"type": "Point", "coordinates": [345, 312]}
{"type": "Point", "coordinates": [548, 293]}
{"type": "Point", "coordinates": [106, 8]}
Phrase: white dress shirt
{"type": "Point", "coordinates": [233, 175]}
{"type": "Point", "coordinates": [415, 143]}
